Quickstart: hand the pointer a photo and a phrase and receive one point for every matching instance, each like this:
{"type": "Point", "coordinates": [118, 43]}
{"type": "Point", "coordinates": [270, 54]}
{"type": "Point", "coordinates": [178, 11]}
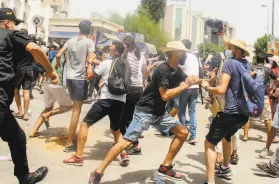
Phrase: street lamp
{"type": "Point", "coordinates": [265, 6]}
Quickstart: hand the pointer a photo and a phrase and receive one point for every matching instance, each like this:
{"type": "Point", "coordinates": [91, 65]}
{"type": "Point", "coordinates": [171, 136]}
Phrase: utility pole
{"type": "Point", "coordinates": [273, 17]}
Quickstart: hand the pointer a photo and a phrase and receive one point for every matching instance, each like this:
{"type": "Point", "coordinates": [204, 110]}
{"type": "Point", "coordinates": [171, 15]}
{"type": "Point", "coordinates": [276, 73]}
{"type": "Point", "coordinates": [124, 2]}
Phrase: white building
{"type": "Point", "coordinates": [182, 23]}
{"type": "Point", "coordinates": [28, 9]}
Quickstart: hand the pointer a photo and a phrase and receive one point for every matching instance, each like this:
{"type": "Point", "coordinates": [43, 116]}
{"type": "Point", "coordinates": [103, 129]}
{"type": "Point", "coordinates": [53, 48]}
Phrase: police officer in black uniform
{"type": "Point", "coordinates": [14, 43]}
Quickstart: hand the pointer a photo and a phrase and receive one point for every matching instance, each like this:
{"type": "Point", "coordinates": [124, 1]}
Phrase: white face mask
{"type": "Point", "coordinates": [229, 54]}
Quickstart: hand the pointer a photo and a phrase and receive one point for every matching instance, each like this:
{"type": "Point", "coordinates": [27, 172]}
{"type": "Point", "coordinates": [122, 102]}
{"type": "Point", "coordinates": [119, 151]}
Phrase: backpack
{"type": "Point", "coordinates": [251, 100]}
{"type": "Point", "coordinates": [119, 79]}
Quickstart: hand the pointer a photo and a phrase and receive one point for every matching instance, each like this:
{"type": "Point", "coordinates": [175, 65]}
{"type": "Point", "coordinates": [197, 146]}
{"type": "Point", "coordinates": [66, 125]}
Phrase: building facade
{"type": "Point", "coordinates": [27, 10]}
{"type": "Point", "coordinates": [60, 7]}
{"type": "Point", "coordinates": [64, 28]}
{"type": "Point", "coordinates": [182, 23]}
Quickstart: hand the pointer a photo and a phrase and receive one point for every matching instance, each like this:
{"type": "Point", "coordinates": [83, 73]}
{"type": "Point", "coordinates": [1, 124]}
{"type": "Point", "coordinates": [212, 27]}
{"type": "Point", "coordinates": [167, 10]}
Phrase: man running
{"type": "Point", "coordinates": [108, 105]}
{"type": "Point", "coordinates": [53, 93]}
{"type": "Point", "coordinates": [80, 52]}
{"type": "Point", "coordinates": [14, 43]}
{"type": "Point", "coordinates": [167, 82]}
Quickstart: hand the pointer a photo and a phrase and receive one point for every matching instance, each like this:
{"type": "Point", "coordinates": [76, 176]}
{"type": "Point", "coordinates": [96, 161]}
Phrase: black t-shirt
{"type": "Point", "coordinates": [163, 76]}
{"type": "Point", "coordinates": [12, 43]}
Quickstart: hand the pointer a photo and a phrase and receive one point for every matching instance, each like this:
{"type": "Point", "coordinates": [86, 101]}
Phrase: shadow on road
{"type": "Point", "coordinates": [98, 151]}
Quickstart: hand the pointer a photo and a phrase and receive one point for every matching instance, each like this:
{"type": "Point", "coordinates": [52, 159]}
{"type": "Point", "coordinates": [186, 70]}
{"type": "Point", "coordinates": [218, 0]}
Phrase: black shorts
{"type": "Point", "coordinates": [78, 89]}
{"type": "Point", "coordinates": [40, 69]}
{"type": "Point", "coordinates": [225, 126]}
{"type": "Point", "coordinates": [24, 78]}
{"type": "Point", "coordinates": [105, 107]}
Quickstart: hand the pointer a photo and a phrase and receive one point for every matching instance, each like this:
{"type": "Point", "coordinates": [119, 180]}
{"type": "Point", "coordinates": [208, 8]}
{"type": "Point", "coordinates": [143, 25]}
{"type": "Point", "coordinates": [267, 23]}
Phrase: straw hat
{"type": "Point", "coordinates": [174, 46]}
{"type": "Point", "coordinates": [275, 59]}
{"type": "Point", "coordinates": [240, 44]}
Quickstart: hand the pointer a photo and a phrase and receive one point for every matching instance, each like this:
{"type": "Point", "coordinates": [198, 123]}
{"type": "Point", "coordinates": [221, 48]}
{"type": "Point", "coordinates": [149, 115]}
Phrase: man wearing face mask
{"type": "Point", "coordinates": [226, 123]}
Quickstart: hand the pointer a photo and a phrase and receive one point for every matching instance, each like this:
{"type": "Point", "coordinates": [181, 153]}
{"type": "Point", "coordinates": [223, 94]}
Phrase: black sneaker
{"type": "Point", "coordinates": [224, 172]}
{"type": "Point", "coordinates": [134, 150]}
{"type": "Point", "coordinates": [69, 149]}
{"type": "Point", "coordinates": [206, 182]}
{"type": "Point", "coordinates": [36, 177]}
{"type": "Point", "coordinates": [168, 172]}
{"type": "Point", "coordinates": [264, 167]}
{"type": "Point", "coordinates": [95, 178]}
{"type": "Point", "coordinates": [234, 160]}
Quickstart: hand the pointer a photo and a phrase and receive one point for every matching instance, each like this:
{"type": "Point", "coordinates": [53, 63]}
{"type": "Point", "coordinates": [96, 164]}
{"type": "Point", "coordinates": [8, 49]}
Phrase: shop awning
{"type": "Point", "coordinates": [58, 34]}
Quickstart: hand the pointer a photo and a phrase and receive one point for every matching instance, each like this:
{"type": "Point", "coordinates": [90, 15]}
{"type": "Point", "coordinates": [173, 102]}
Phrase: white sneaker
{"type": "Point", "coordinates": [264, 153]}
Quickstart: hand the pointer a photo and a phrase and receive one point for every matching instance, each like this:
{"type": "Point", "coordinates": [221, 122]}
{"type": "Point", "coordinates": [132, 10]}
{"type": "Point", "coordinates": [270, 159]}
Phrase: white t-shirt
{"type": "Point", "coordinates": [103, 70]}
{"type": "Point", "coordinates": [191, 67]}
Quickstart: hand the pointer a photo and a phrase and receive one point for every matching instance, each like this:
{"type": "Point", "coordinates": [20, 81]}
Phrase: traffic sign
{"type": "Point", "coordinates": [37, 20]}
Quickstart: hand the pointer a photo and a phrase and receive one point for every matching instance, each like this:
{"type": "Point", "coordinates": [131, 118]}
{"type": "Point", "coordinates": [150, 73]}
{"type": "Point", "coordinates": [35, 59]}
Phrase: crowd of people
{"type": "Point", "coordinates": [135, 92]}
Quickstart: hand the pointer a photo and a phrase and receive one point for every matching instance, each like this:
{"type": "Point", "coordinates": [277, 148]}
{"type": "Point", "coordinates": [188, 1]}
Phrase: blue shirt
{"type": "Point", "coordinates": [51, 55]}
{"type": "Point", "coordinates": [231, 106]}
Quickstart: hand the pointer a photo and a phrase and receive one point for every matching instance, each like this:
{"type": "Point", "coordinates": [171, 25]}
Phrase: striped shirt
{"type": "Point", "coordinates": [136, 69]}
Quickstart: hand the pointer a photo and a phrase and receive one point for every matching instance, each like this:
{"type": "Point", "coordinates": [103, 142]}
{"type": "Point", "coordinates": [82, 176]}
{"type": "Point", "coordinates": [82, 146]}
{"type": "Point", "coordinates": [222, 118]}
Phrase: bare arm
{"type": "Point", "coordinates": [59, 55]}
{"type": "Point", "coordinates": [222, 88]}
{"type": "Point", "coordinates": [91, 58]}
{"type": "Point", "coordinates": [167, 94]}
{"type": "Point", "coordinates": [41, 58]}
{"type": "Point", "coordinates": [224, 37]}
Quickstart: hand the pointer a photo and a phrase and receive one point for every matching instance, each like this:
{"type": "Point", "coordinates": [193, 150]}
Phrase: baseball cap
{"type": "Point", "coordinates": [8, 14]}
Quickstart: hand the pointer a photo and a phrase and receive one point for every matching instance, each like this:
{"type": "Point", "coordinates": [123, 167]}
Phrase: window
{"type": "Point", "coordinates": [178, 23]}
{"type": "Point", "coordinates": [26, 1]}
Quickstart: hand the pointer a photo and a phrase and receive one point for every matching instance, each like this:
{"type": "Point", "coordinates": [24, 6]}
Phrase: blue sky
{"type": "Point", "coordinates": [248, 16]}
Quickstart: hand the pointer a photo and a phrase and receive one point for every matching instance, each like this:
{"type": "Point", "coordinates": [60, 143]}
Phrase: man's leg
{"type": "Point", "coordinates": [210, 159]}
{"type": "Point", "coordinates": [40, 121]}
{"type": "Point", "coordinates": [183, 99]}
{"type": "Point", "coordinates": [82, 138]}
{"type": "Point", "coordinates": [246, 130]}
{"type": "Point", "coordinates": [26, 97]}
{"type": "Point", "coordinates": [192, 101]}
{"type": "Point", "coordinates": [15, 137]}
{"type": "Point", "coordinates": [181, 134]}
{"type": "Point", "coordinates": [227, 150]}
{"type": "Point", "coordinates": [74, 122]}
{"type": "Point", "coordinates": [18, 102]}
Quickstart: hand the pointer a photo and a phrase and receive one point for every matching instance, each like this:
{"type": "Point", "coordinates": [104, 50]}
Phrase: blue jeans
{"type": "Point", "coordinates": [142, 121]}
{"type": "Point", "coordinates": [189, 97]}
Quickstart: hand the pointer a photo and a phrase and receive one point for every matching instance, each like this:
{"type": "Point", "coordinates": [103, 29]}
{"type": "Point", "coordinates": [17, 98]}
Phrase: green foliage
{"type": "Point", "coordinates": [143, 24]}
{"type": "Point", "coordinates": [210, 48]}
{"type": "Point", "coordinates": [261, 44]}
{"type": "Point", "coordinates": [155, 9]}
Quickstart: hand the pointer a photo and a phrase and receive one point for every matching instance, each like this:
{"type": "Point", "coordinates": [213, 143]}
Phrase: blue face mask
{"type": "Point", "coordinates": [109, 56]}
{"type": "Point", "coordinates": [229, 54]}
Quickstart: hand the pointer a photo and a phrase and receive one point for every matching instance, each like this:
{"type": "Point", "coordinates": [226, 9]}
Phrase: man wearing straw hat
{"type": "Point", "coordinates": [226, 123]}
{"type": "Point", "coordinates": [168, 81]}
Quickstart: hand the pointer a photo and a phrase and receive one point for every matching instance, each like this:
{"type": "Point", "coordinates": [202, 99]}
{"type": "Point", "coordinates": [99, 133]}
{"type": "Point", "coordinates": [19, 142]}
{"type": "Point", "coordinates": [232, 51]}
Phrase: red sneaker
{"type": "Point", "coordinates": [74, 160]}
{"type": "Point", "coordinates": [124, 160]}
{"type": "Point", "coordinates": [168, 172]}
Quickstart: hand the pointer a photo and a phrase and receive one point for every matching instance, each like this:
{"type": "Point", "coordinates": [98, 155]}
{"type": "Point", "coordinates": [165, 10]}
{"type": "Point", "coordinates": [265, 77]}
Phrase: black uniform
{"type": "Point", "coordinates": [12, 45]}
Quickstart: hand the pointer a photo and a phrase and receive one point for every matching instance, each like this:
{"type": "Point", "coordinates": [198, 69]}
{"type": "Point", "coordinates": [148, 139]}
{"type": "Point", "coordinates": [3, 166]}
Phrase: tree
{"type": "Point", "coordinates": [143, 24]}
{"type": "Point", "coordinates": [153, 8]}
{"type": "Point", "coordinates": [261, 44]}
{"type": "Point", "coordinates": [210, 48]}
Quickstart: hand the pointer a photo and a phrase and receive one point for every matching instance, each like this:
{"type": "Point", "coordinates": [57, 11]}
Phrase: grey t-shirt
{"type": "Point", "coordinates": [231, 106]}
{"type": "Point", "coordinates": [77, 50]}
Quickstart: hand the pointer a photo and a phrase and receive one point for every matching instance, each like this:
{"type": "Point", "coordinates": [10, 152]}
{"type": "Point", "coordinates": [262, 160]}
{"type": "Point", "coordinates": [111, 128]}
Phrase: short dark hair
{"type": "Point", "coordinates": [85, 27]}
{"type": "Point", "coordinates": [43, 43]}
{"type": "Point", "coordinates": [261, 58]}
{"type": "Point", "coordinates": [119, 47]}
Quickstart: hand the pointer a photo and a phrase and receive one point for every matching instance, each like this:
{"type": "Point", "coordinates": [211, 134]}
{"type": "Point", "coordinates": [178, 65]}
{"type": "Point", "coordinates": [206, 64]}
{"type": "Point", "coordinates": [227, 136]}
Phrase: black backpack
{"type": "Point", "coordinates": [119, 79]}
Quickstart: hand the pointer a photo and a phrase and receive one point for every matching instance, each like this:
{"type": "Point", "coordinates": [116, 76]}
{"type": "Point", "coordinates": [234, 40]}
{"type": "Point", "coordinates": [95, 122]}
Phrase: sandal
{"type": "Point", "coordinates": [244, 139]}
{"type": "Point", "coordinates": [45, 122]}
{"type": "Point", "coordinates": [25, 119]}
{"type": "Point", "coordinates": [125, 161]}
{"type": "Point", "coordinates": [34, 135]}
{"type": "Point", "coordinates": [16, 115]}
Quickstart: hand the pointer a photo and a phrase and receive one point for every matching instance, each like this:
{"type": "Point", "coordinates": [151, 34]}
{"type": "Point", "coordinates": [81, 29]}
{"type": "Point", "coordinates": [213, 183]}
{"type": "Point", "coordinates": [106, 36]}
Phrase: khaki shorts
{"type": "Point", "coordinates": [53, 93]}
{"type": "Point", "coordinates": [266, 115]}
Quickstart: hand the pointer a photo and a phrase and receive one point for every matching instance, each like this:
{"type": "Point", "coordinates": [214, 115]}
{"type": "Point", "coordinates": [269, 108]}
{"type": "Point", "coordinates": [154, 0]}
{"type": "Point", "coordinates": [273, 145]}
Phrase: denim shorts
{"type": "Point", "coordinates": [142, 121]}
{"type": "Point", "coordinates": [276, 118]}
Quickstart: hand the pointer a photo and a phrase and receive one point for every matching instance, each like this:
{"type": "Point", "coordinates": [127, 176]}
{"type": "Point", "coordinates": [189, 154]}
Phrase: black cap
{"type": "Point", "coordinates": [8, 14]}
